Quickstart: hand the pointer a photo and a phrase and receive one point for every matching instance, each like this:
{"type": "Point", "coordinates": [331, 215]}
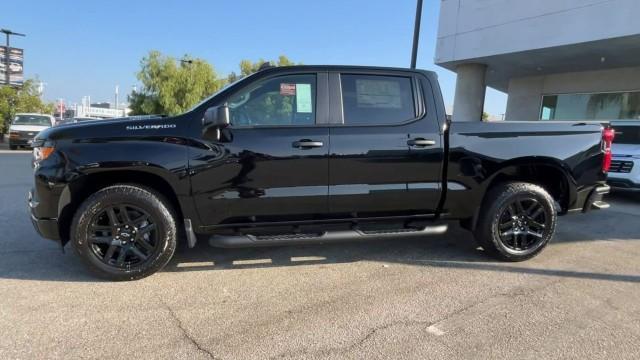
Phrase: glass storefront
{"type": "Point", "coordinates": [597, 106]}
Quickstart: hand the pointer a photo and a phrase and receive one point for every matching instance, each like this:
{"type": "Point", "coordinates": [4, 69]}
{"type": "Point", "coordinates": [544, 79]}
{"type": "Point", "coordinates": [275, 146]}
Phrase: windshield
{"type": "Point", "coordinates": [627, 135]}
{"type": "Point", "coordinates": [216, 93]}
{"type": "Point", "coordinates": [38, 120]}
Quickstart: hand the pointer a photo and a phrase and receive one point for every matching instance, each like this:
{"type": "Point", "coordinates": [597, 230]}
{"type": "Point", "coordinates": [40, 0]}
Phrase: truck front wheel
{"type": "Point", "coordinates": [124, 232]}
{"type": "Point", "coordinates": [516, 221]}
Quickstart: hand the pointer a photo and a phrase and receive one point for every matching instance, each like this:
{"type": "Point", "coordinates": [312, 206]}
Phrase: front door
{"type": "Point", "coordinates": [272, 162]}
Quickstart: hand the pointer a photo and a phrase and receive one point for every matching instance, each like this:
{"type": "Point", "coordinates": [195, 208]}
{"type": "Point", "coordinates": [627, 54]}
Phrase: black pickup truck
{"type": "Point", "coordinates": [310, 154]}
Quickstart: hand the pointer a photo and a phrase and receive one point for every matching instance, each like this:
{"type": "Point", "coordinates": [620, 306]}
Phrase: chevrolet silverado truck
{"type": "Point", "coordinates": [310, 154]}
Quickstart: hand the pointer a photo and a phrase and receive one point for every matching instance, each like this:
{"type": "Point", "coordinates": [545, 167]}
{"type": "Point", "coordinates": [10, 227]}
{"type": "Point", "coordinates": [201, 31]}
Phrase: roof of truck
{"type": "Point", "coordinates": [342, 68]}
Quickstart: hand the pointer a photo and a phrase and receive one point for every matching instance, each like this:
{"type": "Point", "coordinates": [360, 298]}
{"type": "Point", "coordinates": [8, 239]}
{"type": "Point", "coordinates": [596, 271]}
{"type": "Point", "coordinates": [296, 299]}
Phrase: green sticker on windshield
{"type": "Point", "coordinates": [303, 98]}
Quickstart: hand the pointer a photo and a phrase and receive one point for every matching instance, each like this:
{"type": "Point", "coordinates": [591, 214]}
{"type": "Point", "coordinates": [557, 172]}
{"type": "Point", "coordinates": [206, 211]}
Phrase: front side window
{"type": "Point", "coordinates": [376, 100]}
{"type": "Point", "coordinates": [284, 100]}
{"type": "Point", "coordinates": [599, 106]}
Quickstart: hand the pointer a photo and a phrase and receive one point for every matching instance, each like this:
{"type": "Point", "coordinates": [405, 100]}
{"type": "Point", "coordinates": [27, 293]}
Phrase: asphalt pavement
{"type": "Point", "coordinates": [437, 298]}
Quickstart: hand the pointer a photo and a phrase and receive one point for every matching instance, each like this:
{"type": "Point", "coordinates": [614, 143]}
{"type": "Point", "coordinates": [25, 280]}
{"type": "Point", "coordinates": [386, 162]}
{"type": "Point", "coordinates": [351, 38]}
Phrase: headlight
{"type": "Point", "coordinates": [42, 150]}
{"type": "Point", "coordinates": [14, 135]}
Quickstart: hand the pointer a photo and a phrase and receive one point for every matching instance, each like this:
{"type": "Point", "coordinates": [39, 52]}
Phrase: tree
{"type": "Point", "coordinates": [485, 116]}
{"type": "Point", "coordinates": [25, 99]}
{"type": "Point", "coordinates": [171, 87]}
{"type": "Point", "coordinates": [247, 67]}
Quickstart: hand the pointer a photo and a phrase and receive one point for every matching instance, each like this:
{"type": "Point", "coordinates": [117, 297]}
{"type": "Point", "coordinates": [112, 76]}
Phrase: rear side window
{"type": "Point", "coordinates": [376, 100]}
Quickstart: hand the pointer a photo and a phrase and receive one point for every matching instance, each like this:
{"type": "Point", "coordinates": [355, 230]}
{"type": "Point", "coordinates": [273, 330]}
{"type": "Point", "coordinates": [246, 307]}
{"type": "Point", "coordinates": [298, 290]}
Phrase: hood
{"type": "Point", "coordinates": [34, 128]}
{"type": "Point", "coordinates": [112, 128]}
{"type": "Point", "coordinates": [621, 150]}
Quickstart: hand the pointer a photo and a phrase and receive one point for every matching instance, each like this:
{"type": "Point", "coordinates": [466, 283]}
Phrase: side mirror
{"type": "Point", "coordinates": [216, 116]}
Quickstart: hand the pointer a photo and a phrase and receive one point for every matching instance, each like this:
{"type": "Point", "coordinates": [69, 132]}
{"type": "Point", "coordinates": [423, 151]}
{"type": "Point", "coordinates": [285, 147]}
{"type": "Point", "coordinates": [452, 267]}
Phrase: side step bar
{"type": "Point", "coordinates": [238, 241]}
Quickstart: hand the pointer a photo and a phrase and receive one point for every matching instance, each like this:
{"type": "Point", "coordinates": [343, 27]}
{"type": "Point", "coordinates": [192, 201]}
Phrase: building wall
{"type": "Point", "coordinates": [525, 94]}
{"type": "Point", "coordinates": [471, 29]}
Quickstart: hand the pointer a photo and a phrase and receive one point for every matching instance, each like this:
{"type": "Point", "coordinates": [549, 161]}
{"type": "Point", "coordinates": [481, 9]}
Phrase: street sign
{"type": "Point", "coordinates": [16, 66]}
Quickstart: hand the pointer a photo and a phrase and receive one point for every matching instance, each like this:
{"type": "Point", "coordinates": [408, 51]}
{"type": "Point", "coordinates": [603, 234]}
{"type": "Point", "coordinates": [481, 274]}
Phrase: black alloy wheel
{"type": "Point", "coordinates": [523, 224]}
{"type": "Point", "coordinates": [516, 221]}
{"type": "Point", "coordinates": [123, 236]}
{"type": "Point", "coordinates": [125, 232]}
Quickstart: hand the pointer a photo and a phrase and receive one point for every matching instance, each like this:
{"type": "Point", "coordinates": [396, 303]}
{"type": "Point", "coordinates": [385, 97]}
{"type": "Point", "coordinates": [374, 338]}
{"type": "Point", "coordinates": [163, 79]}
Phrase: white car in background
{"type": "Point", "coordinates": [624, 173]}
{"type": "Point", "coordinates": [26, 126]}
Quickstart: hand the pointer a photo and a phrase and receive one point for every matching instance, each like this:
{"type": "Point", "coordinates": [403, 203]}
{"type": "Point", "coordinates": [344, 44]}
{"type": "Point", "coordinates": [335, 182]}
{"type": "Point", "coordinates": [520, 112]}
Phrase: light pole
{"type": "Point", "coordinates": [7, 51]}
{"type": "Point", "coordinates": [416, 34]}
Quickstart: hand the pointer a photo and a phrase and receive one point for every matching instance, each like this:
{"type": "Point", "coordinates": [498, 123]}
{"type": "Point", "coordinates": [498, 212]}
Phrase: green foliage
{"type": "Point", "coordinates": [21, 100]}
{"type": "Point", "coordinates": [485, 116]}
{"type": "Point", "coordinates": [247, 67]}
{"type": "Point", "coordinates": [171, 87]}
{"type": "Point", "coordinates": [271, 106]}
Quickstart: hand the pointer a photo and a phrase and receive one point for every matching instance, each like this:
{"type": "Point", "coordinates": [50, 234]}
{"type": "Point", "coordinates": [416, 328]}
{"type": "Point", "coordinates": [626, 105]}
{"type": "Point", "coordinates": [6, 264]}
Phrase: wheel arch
{"type": "Point", "coordinates": [549, 173]}
{"type": "Point", "coordinates": [79, 190]}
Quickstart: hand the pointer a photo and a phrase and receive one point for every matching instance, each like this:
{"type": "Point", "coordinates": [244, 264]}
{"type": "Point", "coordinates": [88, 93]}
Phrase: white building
{"type": "Point", "coordinates": [99, 112]}
{"type": "Point", "coordinates": [556, 59]}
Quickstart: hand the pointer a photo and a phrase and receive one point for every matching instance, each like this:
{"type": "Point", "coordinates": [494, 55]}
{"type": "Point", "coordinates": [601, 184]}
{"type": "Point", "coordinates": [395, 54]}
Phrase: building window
{"type": "Point", "coordinates": [598, 106]}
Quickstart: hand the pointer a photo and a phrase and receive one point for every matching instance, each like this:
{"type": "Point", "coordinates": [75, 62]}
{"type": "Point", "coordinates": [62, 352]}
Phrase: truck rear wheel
{"type": "Point", "coordinates": [517, 220]}
{"type": "Point", "coordinates": [124, 232]}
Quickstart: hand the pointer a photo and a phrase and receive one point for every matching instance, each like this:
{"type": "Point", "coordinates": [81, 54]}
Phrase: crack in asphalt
{"type": "Point", "coordinates": [185, 333]}
{"type": "Point", "coordinates": [349, 347]}
{"type": "Point", "coordinates": [427, 324]}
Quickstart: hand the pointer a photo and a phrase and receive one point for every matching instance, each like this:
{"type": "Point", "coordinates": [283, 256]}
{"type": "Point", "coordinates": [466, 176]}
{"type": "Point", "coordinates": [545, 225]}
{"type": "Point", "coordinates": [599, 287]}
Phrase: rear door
{"type": "Point", "coordinates": [386, 147]}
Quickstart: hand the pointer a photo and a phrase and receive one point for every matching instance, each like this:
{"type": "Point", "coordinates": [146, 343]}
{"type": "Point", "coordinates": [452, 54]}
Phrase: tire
{"type": "Point", "coordinates": [511, 232]}
{"type": "Point", "coordinates": [124, 232]}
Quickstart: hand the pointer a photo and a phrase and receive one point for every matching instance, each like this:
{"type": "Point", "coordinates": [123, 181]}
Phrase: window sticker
{"type": "Point", "coordinates": [382, 94]}
{"type": "Point", "coordinates": [287, 89]}
{"type": "Point", "coordinates": [303, 98]}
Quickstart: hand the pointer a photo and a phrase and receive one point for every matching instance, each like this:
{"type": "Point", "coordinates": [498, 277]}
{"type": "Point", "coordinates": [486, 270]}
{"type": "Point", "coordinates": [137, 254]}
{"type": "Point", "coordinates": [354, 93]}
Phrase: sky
{"type": "Point", "coordinates": [80, 48]}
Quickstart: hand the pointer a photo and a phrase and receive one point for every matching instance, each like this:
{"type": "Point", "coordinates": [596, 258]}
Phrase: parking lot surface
{"type": "Point", "coordinates": [437, 298]}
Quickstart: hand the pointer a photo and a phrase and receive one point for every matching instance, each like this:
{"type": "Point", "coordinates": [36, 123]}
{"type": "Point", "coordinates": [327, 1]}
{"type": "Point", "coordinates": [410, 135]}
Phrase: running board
{"type": "Point", "coordinates": [239, 241]}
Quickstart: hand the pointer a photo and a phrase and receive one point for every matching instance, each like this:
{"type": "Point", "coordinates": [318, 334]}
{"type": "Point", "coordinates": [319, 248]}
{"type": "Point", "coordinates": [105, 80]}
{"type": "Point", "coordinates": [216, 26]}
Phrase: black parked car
{"type": "Point", "coordinates": [310, 154]}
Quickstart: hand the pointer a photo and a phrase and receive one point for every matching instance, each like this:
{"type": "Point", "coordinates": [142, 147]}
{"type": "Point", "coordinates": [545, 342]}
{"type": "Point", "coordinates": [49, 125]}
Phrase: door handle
{"type": "Point", "coordinates": [420, 142]}
{"type": "Point", "coordinates": [307, 144]}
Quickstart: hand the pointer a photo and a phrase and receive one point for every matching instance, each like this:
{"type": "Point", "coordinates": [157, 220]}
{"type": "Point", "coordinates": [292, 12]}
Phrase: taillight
{"type": "Point", "coordinates": [607, 140]}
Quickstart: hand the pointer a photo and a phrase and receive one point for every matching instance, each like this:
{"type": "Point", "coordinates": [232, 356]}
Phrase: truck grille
{"type": "Point", "coordinates": [620, 166]}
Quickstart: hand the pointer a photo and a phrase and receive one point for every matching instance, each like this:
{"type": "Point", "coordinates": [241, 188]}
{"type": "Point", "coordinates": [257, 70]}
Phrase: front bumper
{"type": "Point", "coordinates": [20, 142]}
{"type": "Point", "coordinates": [47, 228]}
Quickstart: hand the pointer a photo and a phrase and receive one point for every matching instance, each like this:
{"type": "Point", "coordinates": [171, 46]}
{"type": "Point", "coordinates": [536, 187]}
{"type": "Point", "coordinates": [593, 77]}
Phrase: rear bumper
{"type": "Point", "coordinates": [594, 200]}
{"type": "Point", "coordinates": [47, 228]}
